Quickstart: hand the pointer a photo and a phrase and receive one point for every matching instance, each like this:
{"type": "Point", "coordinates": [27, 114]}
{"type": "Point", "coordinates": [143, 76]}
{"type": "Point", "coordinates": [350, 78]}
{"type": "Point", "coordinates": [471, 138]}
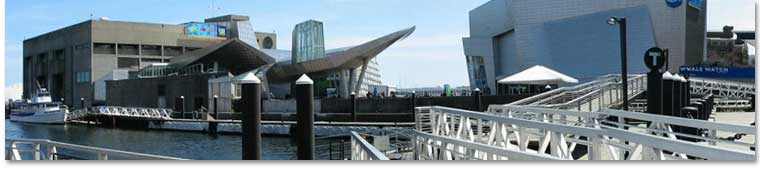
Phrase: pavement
{"type": "Point", "coordinates": [741, 118]}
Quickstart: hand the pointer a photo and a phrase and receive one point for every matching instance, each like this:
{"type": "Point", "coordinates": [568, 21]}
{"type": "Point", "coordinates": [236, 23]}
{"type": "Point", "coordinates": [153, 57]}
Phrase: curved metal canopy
{"type": "Point", "coordinates": [239, 57]}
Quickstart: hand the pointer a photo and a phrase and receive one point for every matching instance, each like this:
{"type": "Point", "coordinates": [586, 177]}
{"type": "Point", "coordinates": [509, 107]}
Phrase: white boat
{"type": "Point", "coordinates": [41, 110]}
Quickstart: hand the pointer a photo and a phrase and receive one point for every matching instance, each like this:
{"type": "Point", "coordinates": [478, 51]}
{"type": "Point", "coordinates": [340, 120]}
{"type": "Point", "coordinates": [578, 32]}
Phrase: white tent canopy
{"type": "Point", "coordinates": [538, 75]}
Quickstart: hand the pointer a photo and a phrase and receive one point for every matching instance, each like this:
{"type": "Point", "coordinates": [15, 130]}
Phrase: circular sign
{"type": "Point", "coordinates": [268, 43]}
{"type": "Point", "coordinates": [674, 3]}
{"type": "Point", "coordinates": [654, 58]}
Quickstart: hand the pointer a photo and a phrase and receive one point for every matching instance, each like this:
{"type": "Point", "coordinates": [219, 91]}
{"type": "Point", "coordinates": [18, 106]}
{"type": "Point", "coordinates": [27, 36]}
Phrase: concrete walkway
{"type": "Point", "coordinates": [742, 118]}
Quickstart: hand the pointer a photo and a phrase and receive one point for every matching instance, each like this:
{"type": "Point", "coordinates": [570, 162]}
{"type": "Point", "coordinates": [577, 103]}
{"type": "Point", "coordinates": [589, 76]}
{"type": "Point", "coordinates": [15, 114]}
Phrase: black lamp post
{"type": "Point", "coordinates": [623, 56]}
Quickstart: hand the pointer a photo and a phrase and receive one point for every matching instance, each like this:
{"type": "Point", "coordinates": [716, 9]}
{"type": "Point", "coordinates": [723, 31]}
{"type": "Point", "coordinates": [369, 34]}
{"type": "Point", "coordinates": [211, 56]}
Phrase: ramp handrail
{"type": "Point", "coordinates": [362, 150]}
{"type": "Point", "coordinates": [50, 152]}
{"type": "Point", "coordinates": [554, 131]}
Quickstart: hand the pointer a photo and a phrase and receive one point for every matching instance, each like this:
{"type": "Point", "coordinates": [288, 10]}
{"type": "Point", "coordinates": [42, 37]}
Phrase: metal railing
{"type": "Point", "coordinates": [431, 147]}
{"type": "Point", "coordinates": [362, 150]}
{"type": "Point", "coordinates": [601, 93]}
{"type": "Point", "coordinates": [151, 113]}
{"type": "Point", "coordinates": [724, 104]}
{"type": "Point", "coordinates": [42, 149]}
{"type": "Point", "coordinates": [575, 135]}
{"type": "Point", "coordinates": [722, 89]}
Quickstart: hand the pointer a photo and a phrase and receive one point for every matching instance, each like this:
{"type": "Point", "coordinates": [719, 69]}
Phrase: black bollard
{"type": "Point", "coordinates": [478, 98]}
{"type": "Point", "coordinates": [81, 103]}
{"type": "Point", "coordinates": [684, 93]}
{"type": "Point", "coordinates": [654, 59]}
{"type": "Point", "coordinates": [182, 106]}
{"type": "Point", "coordinates": [251, 127]}
{"type": "Point", "coordinates": [212, 126]}
{"type": "Point", "coordinates": [667, 90]}
{"type": "Point", "coordinates": [414, 105]}
{"type": "Point", "coordinates": [687, 91]}
{"type": "Point", "coordinates": [676, 95]}
{"type": "Point", "coordinates": [305, 112]}
{"type": "Point", "coordinates": [700, 105]}
{"type": "Point", "coordinates": [216, 107]}
{"type": "Point", "coordinates": [353, 106]}
{"type": "Point", "coordinates": [752, 103]}
{"type": "Point", "coordinates": [709, 102]}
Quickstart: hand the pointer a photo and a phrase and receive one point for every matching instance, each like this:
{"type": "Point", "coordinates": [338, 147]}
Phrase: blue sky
{"type": "Point", "coordinates": [432, 56]}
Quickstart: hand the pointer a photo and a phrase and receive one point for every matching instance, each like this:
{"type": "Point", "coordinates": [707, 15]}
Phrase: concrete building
{"type": "Point", "coordinates": [73, 62]}
{"type": "Point", "coordinates": [219, 63]}
{"type": "Point", "coordinates": [573, 37]}
{"type": "Point", "coordinates": [266, 40]}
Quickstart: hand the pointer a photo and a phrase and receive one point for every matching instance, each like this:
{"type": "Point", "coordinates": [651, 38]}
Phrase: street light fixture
{"type": "Point", "coordinates": [623, 56]}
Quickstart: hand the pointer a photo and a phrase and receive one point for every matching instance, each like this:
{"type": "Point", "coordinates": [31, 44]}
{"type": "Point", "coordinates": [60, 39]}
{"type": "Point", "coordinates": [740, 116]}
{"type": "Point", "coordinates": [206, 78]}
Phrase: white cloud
{"type": "Point", "coordinates": [14, 91]}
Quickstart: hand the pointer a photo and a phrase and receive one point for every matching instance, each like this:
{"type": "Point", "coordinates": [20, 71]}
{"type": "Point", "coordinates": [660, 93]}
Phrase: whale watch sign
{"type": "Point", "coordinates": [674, 3]}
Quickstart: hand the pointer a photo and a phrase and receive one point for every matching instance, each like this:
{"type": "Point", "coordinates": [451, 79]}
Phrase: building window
{"type": "Point", "coordinates": [237, 91]}
{"type": "Point", "coordinates": [132, 63]}
{"type": "Point", "coordinates": [151, 50]}
{"type": "Point", "coordinates": [128, 49]}
{"type": "Point", "coordinates": [172, 50]}
{"type": "Point", "coordinates": [82, 46]}
{"type": "Point", "coordinates": [190, 49]}
{"type": "Point", "coordinates": [477, 71]}
{"type": "Point", "coordinates": [83, 76]}
{"type": "Point", "coordinates": [104, 48]}
{"type": "Point", "coordinates": [59, 55]}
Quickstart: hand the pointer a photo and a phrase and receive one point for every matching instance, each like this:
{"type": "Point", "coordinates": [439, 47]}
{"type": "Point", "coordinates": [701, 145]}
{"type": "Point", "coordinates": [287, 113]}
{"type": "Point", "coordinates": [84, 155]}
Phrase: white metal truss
{"type": "Point", "coordinates": [592, 96]}
{"type": "Point", "coordinates": [116, 111]}
{"type": "Point", "coordinates": [575, 123]}
{"type": "Point", "coordinates": [733, 104]}
{"type": "Point", "coordinates": [722, 89]}
{"type": "Point", "coordinates": [561, 133]}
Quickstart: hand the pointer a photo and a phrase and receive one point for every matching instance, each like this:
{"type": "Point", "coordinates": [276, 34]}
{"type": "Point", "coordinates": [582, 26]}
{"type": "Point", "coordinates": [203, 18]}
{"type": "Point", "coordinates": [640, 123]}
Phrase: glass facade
{"type": "Point", "coordinates": [246, 33]}
{"type": "Point", "coordinates": [476, 69]}
{"type": "Point", "coordinates": [308, 41]}
{"type": "Point", "coordinates": [242, 30]}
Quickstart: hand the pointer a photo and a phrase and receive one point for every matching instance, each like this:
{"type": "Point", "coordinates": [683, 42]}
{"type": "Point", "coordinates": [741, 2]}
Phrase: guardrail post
{"type": "Point", "coordinates": [251, 124]}
{"type": "Point", "coordinates": [353, 106]}
{"type": "Point", "coordinates": [305, 112]}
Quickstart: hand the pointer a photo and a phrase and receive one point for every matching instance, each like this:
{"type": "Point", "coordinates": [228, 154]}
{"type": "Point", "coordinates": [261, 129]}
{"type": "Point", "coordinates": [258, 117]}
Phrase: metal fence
{"type": "Point", "coordinates": [41, 149]}
{"type": "Point", "coordinates": [570, 135]}
{"type": "Point", "coordinates": [362, 150]}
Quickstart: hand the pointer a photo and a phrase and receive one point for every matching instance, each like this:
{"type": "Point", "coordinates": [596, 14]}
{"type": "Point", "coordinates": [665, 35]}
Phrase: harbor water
{"type": "Point", "coordinates": [181, 144]}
